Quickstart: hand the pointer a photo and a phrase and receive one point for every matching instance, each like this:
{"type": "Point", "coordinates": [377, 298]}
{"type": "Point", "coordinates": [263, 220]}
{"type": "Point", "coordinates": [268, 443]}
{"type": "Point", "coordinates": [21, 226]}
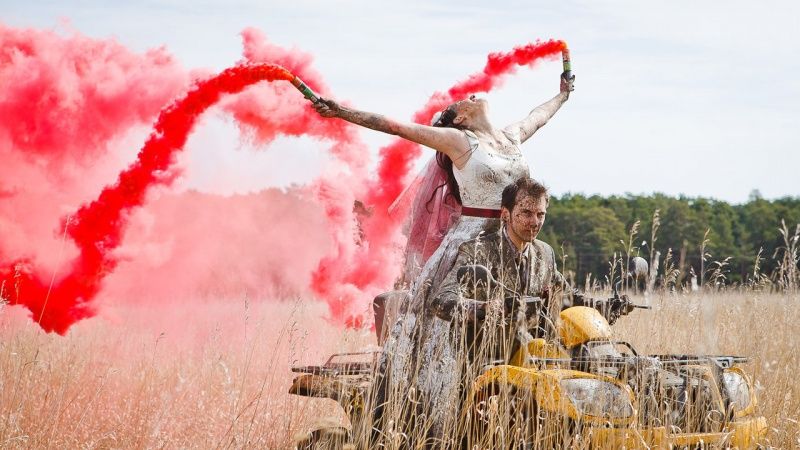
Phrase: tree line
{"type": "Point", "coordinates": [703, 237]}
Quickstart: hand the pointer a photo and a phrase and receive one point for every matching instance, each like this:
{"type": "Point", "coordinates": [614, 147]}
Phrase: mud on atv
{"type": "Point", "coordinates": [582, 389]}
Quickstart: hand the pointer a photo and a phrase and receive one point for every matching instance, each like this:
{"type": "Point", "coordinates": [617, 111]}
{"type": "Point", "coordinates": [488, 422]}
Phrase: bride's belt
{"type": "Point", "coordinates": [480, 212]}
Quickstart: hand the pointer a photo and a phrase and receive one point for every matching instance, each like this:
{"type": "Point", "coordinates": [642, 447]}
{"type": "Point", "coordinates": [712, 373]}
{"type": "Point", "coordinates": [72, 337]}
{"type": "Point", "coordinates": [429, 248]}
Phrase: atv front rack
{"type": "Point", "coordinates": [340, 364]}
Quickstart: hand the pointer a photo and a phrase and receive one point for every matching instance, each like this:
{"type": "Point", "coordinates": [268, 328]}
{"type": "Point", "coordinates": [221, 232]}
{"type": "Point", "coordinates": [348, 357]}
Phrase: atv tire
{"type": "Point", "coordinates": [507, 417]}
{"type": "Point", "coordinates": [502, 417]}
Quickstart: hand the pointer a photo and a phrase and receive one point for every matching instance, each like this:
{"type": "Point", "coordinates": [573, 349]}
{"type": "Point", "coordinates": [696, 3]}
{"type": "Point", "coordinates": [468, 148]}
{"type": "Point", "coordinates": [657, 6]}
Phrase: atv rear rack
{"type": "Point", "coordinates": [722, 361]}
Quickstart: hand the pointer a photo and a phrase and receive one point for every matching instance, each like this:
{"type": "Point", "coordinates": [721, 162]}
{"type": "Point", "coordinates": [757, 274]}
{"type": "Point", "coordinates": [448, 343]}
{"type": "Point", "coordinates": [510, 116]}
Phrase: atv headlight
{"type": "Point", "coordinates": [737, 389]}
{"type": "Point", "coordinates": [598, 398]}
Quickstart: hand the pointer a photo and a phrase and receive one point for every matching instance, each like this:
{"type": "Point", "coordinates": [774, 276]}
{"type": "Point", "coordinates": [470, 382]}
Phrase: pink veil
{"type": "Point", "coordinates": [432, 211]}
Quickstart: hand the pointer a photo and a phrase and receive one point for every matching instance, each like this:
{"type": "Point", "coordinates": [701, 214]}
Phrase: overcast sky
{"type": "Point", "coordinates": [692, 97]}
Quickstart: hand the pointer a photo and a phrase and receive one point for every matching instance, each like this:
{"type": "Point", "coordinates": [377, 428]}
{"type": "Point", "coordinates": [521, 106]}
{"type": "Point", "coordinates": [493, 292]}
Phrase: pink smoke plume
{"type": "Point", "coordinates": [66, 104]}
{"type": "Point", "coordinates": [195, 245]}
{"type": "Point", "coordinates": [97, 227]}
{"type": "Point", "coordinates": [76, 106]}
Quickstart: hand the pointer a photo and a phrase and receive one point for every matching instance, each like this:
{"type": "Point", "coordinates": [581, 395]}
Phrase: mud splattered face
{"type": "Point", "coordinates": [526, 219]}
{"type": "Point", "coordinates": [468, 109]}
{"type": "Point", "coordinates": [462, 113]}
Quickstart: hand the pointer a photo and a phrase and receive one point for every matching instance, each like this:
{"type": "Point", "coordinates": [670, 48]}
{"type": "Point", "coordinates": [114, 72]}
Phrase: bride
{"type": "Point", "coordinates": [418, 378]}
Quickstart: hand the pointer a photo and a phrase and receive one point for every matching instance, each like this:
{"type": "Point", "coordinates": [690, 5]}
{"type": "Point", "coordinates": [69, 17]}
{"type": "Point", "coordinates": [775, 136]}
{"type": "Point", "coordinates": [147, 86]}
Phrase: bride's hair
{"type": "Point", "coordinates": [445, 119]}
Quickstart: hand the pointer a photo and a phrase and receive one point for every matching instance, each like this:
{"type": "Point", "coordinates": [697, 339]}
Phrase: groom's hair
{"type": "Point", "coordinates": [523, 187]}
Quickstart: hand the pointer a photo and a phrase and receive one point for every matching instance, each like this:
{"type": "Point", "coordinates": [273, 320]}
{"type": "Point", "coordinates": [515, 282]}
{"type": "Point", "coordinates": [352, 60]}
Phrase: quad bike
{"type": "Point", "coordinates": [581, 389]}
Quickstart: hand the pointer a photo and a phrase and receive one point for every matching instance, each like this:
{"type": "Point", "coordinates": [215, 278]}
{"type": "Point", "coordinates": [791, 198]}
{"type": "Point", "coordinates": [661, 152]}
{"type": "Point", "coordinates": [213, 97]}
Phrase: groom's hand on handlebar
{"type": "Point", "coordinates": [626, 305]}
{"type": "Point", "coordinates": [618, 307]}
{"type": "Point", "coordinates": [473, 310]}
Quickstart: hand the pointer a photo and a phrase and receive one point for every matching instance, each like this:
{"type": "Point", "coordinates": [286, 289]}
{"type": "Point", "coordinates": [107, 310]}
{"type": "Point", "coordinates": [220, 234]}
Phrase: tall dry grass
{"type": "Point", "coordinates": [215, 373]}
{"type": "Point", "coordinates": [219, 378]}
{"type": "Point", "coordinates": [762, 326]}
{"type": "Point", "coordinates": [203, 375]}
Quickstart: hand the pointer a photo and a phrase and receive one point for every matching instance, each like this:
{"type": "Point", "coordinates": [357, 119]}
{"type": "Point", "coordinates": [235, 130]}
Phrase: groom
{"type": "Point", "coordinates": [519, 262]}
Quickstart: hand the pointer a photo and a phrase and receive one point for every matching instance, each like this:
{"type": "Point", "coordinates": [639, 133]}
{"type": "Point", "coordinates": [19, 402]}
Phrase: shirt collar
{"type": "Point", "coordinates": [517, 253]}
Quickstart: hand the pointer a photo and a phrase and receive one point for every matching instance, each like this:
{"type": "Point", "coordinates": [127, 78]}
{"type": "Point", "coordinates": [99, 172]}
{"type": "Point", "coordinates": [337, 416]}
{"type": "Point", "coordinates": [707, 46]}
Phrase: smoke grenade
{"type": "Point", "coordinates": [567, 62]}
{"type": "Point", "coordinates": [305, 90]}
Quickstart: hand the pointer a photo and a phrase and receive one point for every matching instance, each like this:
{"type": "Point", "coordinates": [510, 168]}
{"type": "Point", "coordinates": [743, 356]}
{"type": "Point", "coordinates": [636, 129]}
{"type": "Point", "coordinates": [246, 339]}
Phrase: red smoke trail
{"type": "Point", "coordinates": [398, 160]}
{"type": "Point", "coordinates": [97, 227]}
{"type": "Point", "coordinates": [41, 63]}
{"type": "Point", "coordinates": [362, 262]}
{"type": "Point", "coordinates": [348, 281]}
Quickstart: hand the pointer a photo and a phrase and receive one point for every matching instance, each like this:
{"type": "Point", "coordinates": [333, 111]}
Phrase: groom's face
{"type": "Point", "coordinates": [526, 219]}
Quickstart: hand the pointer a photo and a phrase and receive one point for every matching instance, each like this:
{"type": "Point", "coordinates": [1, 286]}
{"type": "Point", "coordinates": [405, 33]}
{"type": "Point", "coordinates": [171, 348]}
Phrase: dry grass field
{"type": "Point", "coordinates": [208, 374]}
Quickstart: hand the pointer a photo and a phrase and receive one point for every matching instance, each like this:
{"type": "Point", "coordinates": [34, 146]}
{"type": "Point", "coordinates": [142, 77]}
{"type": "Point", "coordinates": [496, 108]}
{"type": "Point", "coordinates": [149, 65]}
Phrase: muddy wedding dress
{"type": "Point", "coordinates": [419, 375]}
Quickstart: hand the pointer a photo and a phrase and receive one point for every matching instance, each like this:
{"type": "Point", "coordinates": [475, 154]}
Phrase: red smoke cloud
{"type": "Point", "coordinates": [195, 245]}
{"type": "Point", "coordinates": [65, 98]}
{"type": "Point", "coordinates": [65, 104]}
{"type": "Point", "coordinates": [96, 228]}
{"type": "Point", "coordinates": [67, 116]}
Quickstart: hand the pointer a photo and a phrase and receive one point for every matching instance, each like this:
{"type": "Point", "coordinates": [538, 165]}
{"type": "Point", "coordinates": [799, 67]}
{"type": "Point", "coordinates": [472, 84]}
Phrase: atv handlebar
{"type": "Point", "coordinates": [612, 308]}
{"type": "Point", "coordinates": [616, 306]}
{"type": "Point", "coordinates": [480, 274]}
{"type": "Point", "coordinates": [623, 303]}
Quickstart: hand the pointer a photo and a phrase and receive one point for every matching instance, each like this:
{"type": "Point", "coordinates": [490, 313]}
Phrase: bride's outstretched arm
{"type": "Point", "coordinates": [542, 113]}
{"type": "Point", "coordinates": [449, 141]}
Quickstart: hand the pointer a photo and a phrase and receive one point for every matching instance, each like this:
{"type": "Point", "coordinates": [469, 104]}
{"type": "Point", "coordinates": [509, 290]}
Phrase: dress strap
{"type": "Point", "coordinates": [472, 138]}
{"type": "Point", "coordinates": [473, 145]}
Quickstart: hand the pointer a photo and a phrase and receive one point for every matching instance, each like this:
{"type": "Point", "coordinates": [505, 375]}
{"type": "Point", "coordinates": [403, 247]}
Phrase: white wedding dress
{"type": "Point", "coordinates": [418, 353]}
